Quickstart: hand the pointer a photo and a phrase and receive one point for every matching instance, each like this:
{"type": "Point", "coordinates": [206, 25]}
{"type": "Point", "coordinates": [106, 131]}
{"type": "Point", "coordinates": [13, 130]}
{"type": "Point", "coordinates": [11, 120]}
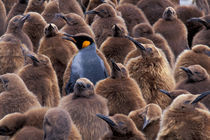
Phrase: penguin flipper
{"type": "Point", "coordinates": [70, 85]}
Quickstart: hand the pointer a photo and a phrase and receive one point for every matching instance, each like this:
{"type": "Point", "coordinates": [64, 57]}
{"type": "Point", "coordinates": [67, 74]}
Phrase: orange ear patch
{"type": "Point", "coordinates": [85, 44]}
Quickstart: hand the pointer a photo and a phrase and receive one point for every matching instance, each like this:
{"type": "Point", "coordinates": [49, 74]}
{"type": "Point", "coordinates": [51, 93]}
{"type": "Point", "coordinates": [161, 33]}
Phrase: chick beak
{"type": "Point", "coordinates": [146, 122]}
{"type": "Point", "coordinates": [34, 59]}
{"type": "Point", "coordinates": [92, 12]}
{"type": "Point", "coordinates": [24, 18]}
{"type": "Point", "coordinates": [138, 45]}
{"type": "Point", "coordinates": [115, 66]}
{"type": "Point", "coordinates": [188, 71]}
{"type": "Point", "coordinates": [107, 120]}
{"type": "Point", "coordinates": [200, 97]}
{"type": "Point", "coordinates": [166, 93]}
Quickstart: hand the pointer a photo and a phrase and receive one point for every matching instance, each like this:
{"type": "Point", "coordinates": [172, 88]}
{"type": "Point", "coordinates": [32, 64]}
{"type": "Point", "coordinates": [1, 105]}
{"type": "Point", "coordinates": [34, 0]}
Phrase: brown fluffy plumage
{"type": "Point", "coordinates": [198, 55]}
{"type": "Point", "coordinates": [153, 9]}
{"type": "Point", "coordinates": [147, 120]}
{"type": "Point", "coordinates": [177, 39]}
{"type": "Point", "coordinates": [152, 72]}
{"type": "Point", "coordinates": [36, 6]}
{"type": "Point", "coordinates": [15, 28]}
{"type": "Point", "coordinates": [121, 128]}
{"type": "Point", "coordinates": [134, 2]}
{"type": "Point", "coordinates": [121, 91]}
{"type": "Point", "coordinates": [2, 18]}
{"type": "Point", "coordinates": [8, 4]}
{"type": "Point", "coordinates": [59, 126]}
{"type": "Point", "coordinates": [83, 105]}
{"type": "Point", "coordinates": [34, 28]}
{"type": "Point", "coordinates": [132, 15]}
{"type": "Point", "coordinates": [117, 47]}
{"type": "Point", "coordinates": [16, 97]}
{"type": "Point", "coordinates": [59, 51]}
{"type": "Point", "coordinates": [185, 120]}
{"type": "Point", "coordinates": [106, 18]}
{"type": "Point", "coordinates": [145, 30]}
{"type": "Point", "coordinates": [41, 79]}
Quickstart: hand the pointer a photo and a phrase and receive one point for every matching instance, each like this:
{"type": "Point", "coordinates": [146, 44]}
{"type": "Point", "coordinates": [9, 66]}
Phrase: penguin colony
{"type": "Point", "coordinates": [104, 70]}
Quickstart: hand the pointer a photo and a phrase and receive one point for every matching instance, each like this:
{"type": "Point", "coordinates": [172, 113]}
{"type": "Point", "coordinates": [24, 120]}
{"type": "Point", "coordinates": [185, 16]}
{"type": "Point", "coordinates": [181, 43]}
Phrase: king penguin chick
{"type": "Point", "coordinates": [197, 81]}
{"type": "Point", "coordinates": [34, 28]}
{"type": "Point", "coordinates": [15, 28]}
{"type": "Point", "coordinates": [16, 97]}
{"type": "Point", "coordinates": [152, 72]}
{"type": "Point", "coordinates": [59, 51]}
{"type": "Point", "coordinates": [146, 30]}
{"type": "Point", "coordinates": [59, 126]}
{"type": "Point", "coordinates": [153, 9]}
{"type": "Point", "coordinates": [83, 105]}
{"type": "Point", "coordinates": [200, 55]}
{"type": "Point", "coordinates": [102, 25]}
{"type": "Point", "coordinates": [132, 15]}
{"type": "Point", "coordinates": [36, 6]}
{"type": "Point", "coordinates": [147, 120]}
{"type": "Point", "coordinates": [183, 119]}
{"type": "Point", "coordinates": [177, 39]}
{"type": "Point", "coordinates": [50, 12]}
{"type": "Point", "coordinates": [87, 63]}
{"type": "Point", "coordinates": [121, 128]}
{"type": "Point", "coordinates": [2, 18]}
{"type": "Point", "coordinates": [75, 24]}
{"type": "Point", "coordinates": [121, 91]}
{"type": "Point", "coordinates": [117, 46]}
{"type": "Point", "coordinates": [41, 79]}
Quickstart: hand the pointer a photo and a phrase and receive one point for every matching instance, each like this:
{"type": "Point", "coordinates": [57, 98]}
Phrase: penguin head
{"type": "Point", "coordinates": [83, 88]}
{"type": "Point", "coordinates": [118, 71]}
{"type": "Point", "coordinates": [188, 102]}
{"type": "Point", "coordinates": [72, 19]}
{"type": "Point", "coordinates": [81, 40]}
{"type": "Point", "coordinates": [35, 20]}
{"type": "Point", "coordinates": [51, 30]}
{"type": "Point", "coordinates": [52, 7]}
{"type": "Point", "coordinates": [201, 50]}
{"type": "Point", "coordinates": [195, 73]}
{"type": "Point", "coordinates": [16, 23]}
{"type": "Point", "coordinates": [175, 93]}
{"type": "Point", "coordinates": [103, 10]}
{"type": "Point", "coordinates": [142, 30]}
{"type": "Point", "coordinates": [118, 31]}
{"type": "Point", "coordinates": [169, 14]}
{"type": "Point", "coordinates": [121, 125]}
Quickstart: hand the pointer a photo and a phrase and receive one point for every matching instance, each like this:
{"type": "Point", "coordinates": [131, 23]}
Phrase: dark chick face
{"type": "Point", "coordinates": [51, 30]}
{"type": "Point", "coordinates": [169, 14]}
{"type": "Point", "coordinates": [118, 71]}
{"type": "Point", "coordinates": [83, 88]}
{"type": "Point", "coordinates": [118, 31]}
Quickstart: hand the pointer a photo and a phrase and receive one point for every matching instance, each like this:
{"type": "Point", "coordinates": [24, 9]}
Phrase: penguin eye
{"type": "Point", "coordinates": [16, 20]}
{"type": "Point", "coordinates": [85, 44]}
{"type": "Point", "coordinates": [88, 85]}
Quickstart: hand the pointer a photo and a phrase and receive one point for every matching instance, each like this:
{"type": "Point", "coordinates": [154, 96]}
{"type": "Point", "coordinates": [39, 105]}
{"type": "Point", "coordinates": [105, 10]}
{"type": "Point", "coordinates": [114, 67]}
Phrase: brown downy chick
{"type": "Point", "coordinates": [183, 119]}
{"type": "Point", "coordinates": [132, 15]}
{"type": "Point", "coordinates": [152, 72]}
{"type": "Point", "coordinates": [199, 55]}
{"type": "Point", "coordinates": [16, 97]}
{"type": "Point", "coordinates": [34, 28]}
{"type": "Point", "coordinates": [83, 105]}
{"type": "Point", "coordinates": [50, 12]}
{"type": "Point", "coordinates": [147, 120]}
{"type": "Point", "coordinates": [17, 9]}
{"type": "Point", "coordinates": [202, 37]}
{"type": "Point", "coordinates": [2, 18]}
{"type": "Point", "coordinates": [177, 39]}
{"type": "Point", "coordinates": [185, 13]}
{"type": "Point", "coordinates": [134, 2]}
{"type": "Point", "coordinates": [59, 126]}
{"type": "Point", "coordinates": [153, 9]}
{"type": "Point", "coordinates": [8, 4]}
{"type": "Point", "coordinates": [93, 4]}
{"type": "Point", "coordinates": [41, 79]}
{"type": "Point", "coordinates": [15, 28]}
{"type": "Point", "coordinates": [175, 2]}
{"type": "Point", "coordinates": [70, 6]}
{"type": "Point", "coordinates": [75, 24]}
{"type": "Point", "coordinates": [146, 30]}
{"type": "Point", "coordinates": [117, 47]}
{"type": "Point", "coordinates": [121, 128]}
{"type": "Point", "coordinates": [121, 91]}
{"type": "Point", "coordinates": [197, 81]}
{"type": "Point", "coordinates": [59, 51]}
{"type": "Point", "coordinates": [36, 6]}
{"type": "Point", "coordinates": [102, 25]}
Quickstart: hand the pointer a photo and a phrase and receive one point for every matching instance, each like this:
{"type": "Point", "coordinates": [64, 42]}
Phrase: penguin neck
{"type": "Point", "coordinates": [91, 47]}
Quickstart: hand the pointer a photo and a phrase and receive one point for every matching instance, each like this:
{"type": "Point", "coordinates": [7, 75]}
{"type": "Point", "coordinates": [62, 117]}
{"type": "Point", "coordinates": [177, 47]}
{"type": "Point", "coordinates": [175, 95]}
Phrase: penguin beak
{"type": "Point", "coordinates": [146, 122]}
{"type": "Point", "coordinates": [115, 66]}
{"type": "Point", "coordinates": [64, 18]}
{"type": "Point", "coordinates": [116, 28]}
{"type": "Point", "coordinates": [24, 18]}
{"type": "Point", "coordinates": [70, 39]}
{"type": "Point", "coordinates": [199, 20]}
{"type": "Point", "coordinates": [139, 45]}
{"type": "Point", "coordinates": [107, 120]}
{"type": "Point", "coordinates": [91, 12]}
{"type": "Point", "coordinates": [80, 85]}
{"type": "Point", "coordinates": [200, 97]}
{"type": "Point", "coordinates": [188, 71]}
{"type": "Point", "coordinates": [166, 93]}
{"type": "Point", "coordinates": [34, 59]}
{"type": "Point", "coordinates": [103, 1]}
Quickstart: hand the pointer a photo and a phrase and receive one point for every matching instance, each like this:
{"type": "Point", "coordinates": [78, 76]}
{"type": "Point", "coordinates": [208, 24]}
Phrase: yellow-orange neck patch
{"type": "Point", "coordinates": [85, 44]}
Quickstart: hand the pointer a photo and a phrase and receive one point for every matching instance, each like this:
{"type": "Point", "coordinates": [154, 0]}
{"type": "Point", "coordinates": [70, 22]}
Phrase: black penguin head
{"type": "Point", "coordinates": [169, 14]}
{"type": "Point", "coordinates": [118, 31]}
{"type": "Point", "coordinates": [51, 30]}
{"type": "Point", "coordinates": [83, 88]}
{"type": "Point", "coordinates": [195, 73]}
{"type": "Point", "coordinates": [81, 40]}
{"type": "Point", "coordinates": [118, 71]}
{"type": "Point", "coordinates": [204, 22]}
